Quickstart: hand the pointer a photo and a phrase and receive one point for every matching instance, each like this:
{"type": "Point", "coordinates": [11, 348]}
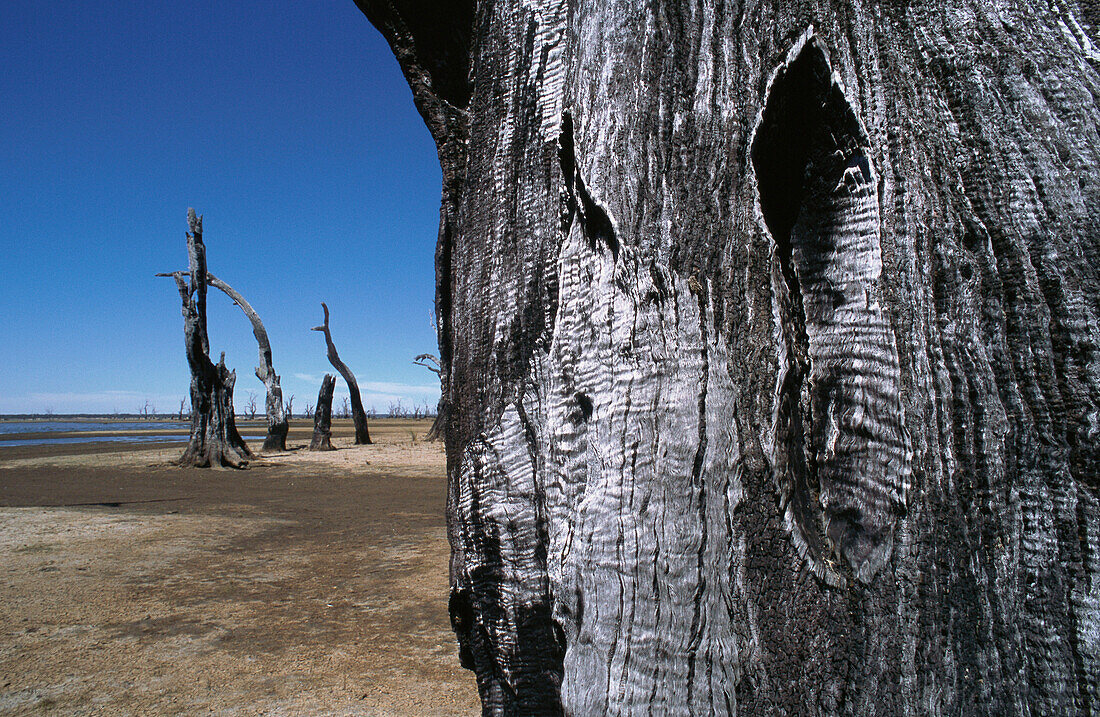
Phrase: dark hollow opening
{"type": "Point", "coordinates": [808, 136]}
{"type": "Point", "coordinates": [595, 223]}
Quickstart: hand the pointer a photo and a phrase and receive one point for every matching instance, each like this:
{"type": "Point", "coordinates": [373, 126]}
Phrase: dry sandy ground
{"type": "Point", "coordinates": [310, 584]}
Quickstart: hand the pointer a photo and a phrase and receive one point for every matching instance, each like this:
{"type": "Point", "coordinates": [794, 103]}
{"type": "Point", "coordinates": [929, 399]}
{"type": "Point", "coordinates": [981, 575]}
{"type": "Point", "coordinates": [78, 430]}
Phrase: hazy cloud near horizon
{"type": "Point", "coordinates": [377, 396]}
{"type": "Point", "coordinates": [112, 401]}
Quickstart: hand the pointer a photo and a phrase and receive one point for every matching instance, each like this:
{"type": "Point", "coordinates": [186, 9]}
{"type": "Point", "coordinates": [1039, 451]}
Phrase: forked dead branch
{"type": "Point", "coordinates": [277, 414]}
{"type": "Point", "coordinates": [359, 416]}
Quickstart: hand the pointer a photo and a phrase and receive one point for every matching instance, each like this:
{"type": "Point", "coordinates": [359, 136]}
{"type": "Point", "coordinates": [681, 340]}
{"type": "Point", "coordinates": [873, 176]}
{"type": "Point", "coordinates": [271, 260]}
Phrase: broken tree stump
{"type": "Point", "coordinates": [322, 416]}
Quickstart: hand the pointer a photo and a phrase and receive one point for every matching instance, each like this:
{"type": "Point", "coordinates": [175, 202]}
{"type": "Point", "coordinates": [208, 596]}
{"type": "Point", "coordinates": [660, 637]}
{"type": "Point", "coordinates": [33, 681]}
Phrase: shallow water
{"type": "Point", "coordinates": [9, 427]}
{"type": "Point", "coordinates": [51, 427]}
{"type": "Point", "coordinates": [92, 439]}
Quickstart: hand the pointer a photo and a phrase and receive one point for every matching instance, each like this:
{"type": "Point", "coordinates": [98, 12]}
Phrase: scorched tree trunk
{"type": "Point", "coordinates": [278, 416]}
{"type": "Point", "coordinates": [322, 416]}
{"type": "Point", "coordinates": [214, 439]}
{"type": "Point", "coordinates": [771, 331]}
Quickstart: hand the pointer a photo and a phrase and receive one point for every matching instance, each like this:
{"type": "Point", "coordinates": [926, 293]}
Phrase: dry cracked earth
{"type": "Point", "coordinates": [310, 584]}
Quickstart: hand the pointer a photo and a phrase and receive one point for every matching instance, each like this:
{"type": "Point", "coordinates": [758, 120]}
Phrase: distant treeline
{"type": "Point", "coordinates": [59, 416]}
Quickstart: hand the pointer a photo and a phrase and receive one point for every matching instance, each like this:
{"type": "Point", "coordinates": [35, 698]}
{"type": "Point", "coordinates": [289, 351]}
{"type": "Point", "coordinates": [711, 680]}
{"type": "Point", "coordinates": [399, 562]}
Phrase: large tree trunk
{"type": "Point", "coordinates": [278, 422]}
{"type": "Point", "coordinates": [322, 416]}
{"type": "Point", "coordinates": [358, 415]}
{"type": "Point", "coordinates": [772, 338]}
{"type": "Point", "coordinates": [214, 439]}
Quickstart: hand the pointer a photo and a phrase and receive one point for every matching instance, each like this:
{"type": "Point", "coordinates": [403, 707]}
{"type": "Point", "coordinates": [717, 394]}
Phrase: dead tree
{"type": "Point", "coordinates": [432, 363]}
{"type": "Point", "coordinates": [359, 416]}
{"type": "Point", "coordinates": [773, 340]}
{"type": "Point", "coordinates": [278, 423]}
{"type": "Point", "coordinates": [214, 438]}
{"type": "Point", "coordinates": [322, 416]}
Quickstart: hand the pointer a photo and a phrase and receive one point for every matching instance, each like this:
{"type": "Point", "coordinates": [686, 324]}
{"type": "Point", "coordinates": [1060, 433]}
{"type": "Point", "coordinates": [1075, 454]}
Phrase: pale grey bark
{"type": "Point", "coordinates": [359, 416]}
{"type": "Point", "coordinates": [278, 423]}
{"type": "Point", "coordinates": [771, 332]}
{"type": "Point", "coordinates": [439, 424]}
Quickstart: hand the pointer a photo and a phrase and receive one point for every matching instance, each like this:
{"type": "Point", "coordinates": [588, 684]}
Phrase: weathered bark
{"type": "Point", "coordinates": [771, 332]}
{"type": "Point", "coordinates": [358, 415]}
{"type": "Point", "coordinates": [214, 439]}
{"type": "Point", "coordinates": [278, 423]}
{"type": "Point", "coordinates": [322, 416]}
{"type": "Point", "coordinates": [439, 424]}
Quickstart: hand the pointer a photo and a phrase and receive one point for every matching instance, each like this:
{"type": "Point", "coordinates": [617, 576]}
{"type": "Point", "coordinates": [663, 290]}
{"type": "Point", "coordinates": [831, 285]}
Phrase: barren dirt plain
{"type": "Point", "coordinates": [309, 584]}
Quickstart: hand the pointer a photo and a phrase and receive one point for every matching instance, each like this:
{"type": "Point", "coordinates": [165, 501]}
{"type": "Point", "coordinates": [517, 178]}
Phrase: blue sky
{"type": "Point", "coordinates": [287, 125]}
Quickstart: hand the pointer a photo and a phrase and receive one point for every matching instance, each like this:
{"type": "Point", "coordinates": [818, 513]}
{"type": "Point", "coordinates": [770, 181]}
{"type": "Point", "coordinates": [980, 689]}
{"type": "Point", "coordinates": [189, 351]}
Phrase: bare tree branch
{"type": "Point", "coordinates": [424, 359]}
{"type": "Point", "coordinates": [277, 419]}
{"type": "Point", "coordinates": [362, 434]}
{"type": "Point", "coordinates": [432, 363]}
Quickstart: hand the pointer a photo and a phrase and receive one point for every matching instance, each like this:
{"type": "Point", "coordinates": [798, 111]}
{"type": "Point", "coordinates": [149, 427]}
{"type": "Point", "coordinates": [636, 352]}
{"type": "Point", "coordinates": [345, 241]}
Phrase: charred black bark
{"type": "Point", "coordinates": [322, 416]}
{"type": "Point", "coordinates": [214, 439]}
{"type": "Point", "coordinates": [358, 415]}
{"type": "Point", "coordinates": [770, 334]}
